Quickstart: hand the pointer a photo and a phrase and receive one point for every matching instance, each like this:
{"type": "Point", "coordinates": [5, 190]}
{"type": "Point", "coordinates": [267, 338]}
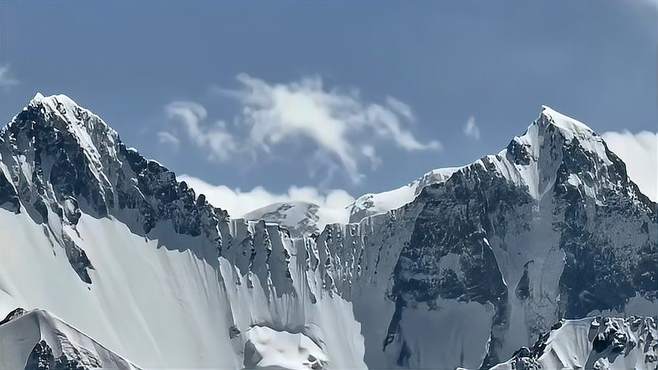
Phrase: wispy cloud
{"type": "Point", "coordinates": [210, 136]}
{"type": "Point", "coordinates": [6, 78]}
{"type": "Point", "coordinates": [471, 129]}
{"type": "Point", "coordinates": [640, 153]}
{"type": "Point", "coordinates": [339, 123]}
{"type": "Point", "coordinates": [332, 203]}
{"type": "Point", "coordinates": [165, 137]}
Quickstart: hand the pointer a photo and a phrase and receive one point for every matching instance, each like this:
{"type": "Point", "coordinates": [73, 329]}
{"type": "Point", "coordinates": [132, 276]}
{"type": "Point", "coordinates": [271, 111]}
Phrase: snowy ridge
{"type": "Point", "coordinates": [372, 204]}
{"type": "Point", "coordinates": [592, 343]}
{"type": "Point", "coordinates": [300, 218]}
{"type": "Point", "coordinates": [37, 340]}
{"type": "Point", "coordinates": [481, 259]}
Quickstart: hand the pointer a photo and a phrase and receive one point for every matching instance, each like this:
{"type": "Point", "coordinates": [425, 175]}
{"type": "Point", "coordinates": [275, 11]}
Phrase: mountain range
{"type": "Point", "coordinates": [543, 255]}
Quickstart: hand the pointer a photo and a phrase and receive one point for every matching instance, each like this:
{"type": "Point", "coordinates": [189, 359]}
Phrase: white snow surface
{"type": "Point", "coordinates": [155, 302]}
{"type": "Point", "coordinates": [267, 348]}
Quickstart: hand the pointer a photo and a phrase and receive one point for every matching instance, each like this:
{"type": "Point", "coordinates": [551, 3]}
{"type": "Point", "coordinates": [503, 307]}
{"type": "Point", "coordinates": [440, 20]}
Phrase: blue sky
{"type": "Point", "coordinates": [386, 89]}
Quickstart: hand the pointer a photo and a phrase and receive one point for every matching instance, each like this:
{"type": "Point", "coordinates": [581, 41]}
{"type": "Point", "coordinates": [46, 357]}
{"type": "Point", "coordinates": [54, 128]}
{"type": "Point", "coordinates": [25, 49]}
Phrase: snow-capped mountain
{"type": "Point", "coordinates": [299, 218]}
{"type": "Point", "coordinates": [460, 268]}
{"type": "Point", "coordinates": [112, 244]}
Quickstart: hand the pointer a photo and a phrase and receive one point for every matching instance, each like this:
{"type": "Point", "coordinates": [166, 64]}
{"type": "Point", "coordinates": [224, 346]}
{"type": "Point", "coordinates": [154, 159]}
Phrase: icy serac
{"type": "Point", "coordinates": [460, 268]}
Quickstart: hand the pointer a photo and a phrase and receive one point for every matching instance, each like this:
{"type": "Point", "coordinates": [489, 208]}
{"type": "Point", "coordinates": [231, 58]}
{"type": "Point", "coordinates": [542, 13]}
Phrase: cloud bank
{"type": "Point", "coordinates": [332, 203]}
{"type": "Point", "coordinates": [640, 153]}
{"type": "Point", "coordinates": [341, 126]}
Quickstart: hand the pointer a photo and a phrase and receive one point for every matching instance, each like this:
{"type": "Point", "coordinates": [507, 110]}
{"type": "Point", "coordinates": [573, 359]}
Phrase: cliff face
{"type": "Point", "coordinates": [472, 264]}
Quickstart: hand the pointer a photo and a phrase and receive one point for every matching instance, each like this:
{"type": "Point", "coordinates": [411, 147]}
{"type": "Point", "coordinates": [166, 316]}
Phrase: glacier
{"type": "Point", "coordinates": [460, 268]}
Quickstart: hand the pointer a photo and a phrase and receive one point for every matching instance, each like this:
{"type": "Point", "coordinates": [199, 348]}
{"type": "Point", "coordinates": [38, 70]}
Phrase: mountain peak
{"type": "Point", "coordinates": [63, 113]}
{"type": "Point", "coordinates": [58, 119]}
{"type": "Point", "coordinates": [300, 218]}
{"type": "Point", "coordinates": [37, 97]}
{"type": "Point", "coordinates": [58, 103]}
{"type": "Point", "coordinates": [569, 126]}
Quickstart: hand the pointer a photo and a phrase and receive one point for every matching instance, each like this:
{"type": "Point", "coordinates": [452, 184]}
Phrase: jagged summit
{"type": "Point", "coordinates": [549, 149]}
{"type": "Point", "coordinates": [563, 121]}
{"type": "Point", "coordinates": [70, 111]}
{"type": "Point", "coordinates": [553, 129]}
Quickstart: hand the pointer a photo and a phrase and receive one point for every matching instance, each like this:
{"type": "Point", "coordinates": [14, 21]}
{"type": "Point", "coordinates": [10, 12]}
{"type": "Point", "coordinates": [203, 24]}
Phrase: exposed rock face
{"type": "Point", "coordinates": [8, 196]}
{"type": "Point", "coordinates": [488, 255]}
{"type": "Point", "coordinates": [41, 358]}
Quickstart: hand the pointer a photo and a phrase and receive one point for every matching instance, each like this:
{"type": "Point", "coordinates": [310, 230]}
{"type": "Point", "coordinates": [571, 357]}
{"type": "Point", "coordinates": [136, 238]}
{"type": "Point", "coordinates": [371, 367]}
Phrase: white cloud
{"type": "Point", "coordinates": [338, 123]}
{"type": "Point", "coordinates": [471, 129]}
{"type": "Point", "coordinates": [212, 137]}
{"type": "Point", "coordinates": [6, 79]}
{"type": "Point", "coordinates": [332, 203]}
{"type": "Point", "coordinates": [165, 137]}
{"type": "Point", "coordinates": [369, 152]}
{"type": "Point", "coordinates": [640, 153]}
